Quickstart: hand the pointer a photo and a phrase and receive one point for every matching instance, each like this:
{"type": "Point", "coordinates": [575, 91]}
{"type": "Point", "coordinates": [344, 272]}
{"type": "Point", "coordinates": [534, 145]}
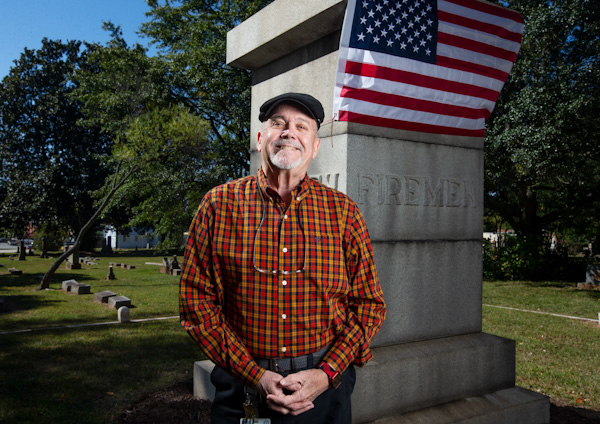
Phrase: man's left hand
{"type": "Point", "coordinates": [305, 386]}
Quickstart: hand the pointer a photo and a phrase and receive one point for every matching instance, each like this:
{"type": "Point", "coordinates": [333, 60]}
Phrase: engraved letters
{"type": "Point", "coordinates": [412, 190]}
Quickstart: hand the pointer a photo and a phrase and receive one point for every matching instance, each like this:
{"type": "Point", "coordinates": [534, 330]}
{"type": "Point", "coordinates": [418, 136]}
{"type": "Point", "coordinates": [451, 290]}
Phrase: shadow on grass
{"type": "Point", "coordinates": [28, 279]}
{"type": "Point", "coordinates": [90, 374]}
{"type": "Point", "coordinates": [17, 303]}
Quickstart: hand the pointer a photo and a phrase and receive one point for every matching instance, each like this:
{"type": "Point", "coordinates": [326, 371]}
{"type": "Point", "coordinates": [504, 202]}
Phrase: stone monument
{"type": "Point", "coordinates": [422, 198]}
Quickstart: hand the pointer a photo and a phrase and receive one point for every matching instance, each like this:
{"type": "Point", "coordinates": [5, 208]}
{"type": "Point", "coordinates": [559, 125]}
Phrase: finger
{"type": "Point", "coordinates": [303, 410]}
{"type": "Point", "coordinates": [293, 409]}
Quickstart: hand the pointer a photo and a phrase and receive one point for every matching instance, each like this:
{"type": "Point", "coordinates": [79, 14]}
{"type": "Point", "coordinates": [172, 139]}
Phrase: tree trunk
{"type": "Point", "coordinates": [45, 282]}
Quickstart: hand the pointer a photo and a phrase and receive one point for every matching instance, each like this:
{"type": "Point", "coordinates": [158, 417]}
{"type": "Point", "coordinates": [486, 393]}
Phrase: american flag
{"type": "Point", "coordinates": [434, 66]}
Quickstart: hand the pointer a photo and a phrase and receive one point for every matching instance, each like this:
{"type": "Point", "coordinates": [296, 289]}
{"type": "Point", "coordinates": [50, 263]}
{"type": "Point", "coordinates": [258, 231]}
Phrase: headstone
{"type": "Point", "coordinates": [174, 263]}
{"type": "Point", "coordinates": [73, 260]}
{"type": "Point", "coordinates": [44, 253]}
{"type": "Point", "coordinates": [116, 302]}
{"type": "Point", "coordinates": [22, 250]}
{"type": "Point", "coordinates": [592, 275]}
{"type": "Point", "coordinates": [123, 314]}
{"type": "Point", "coordinates": [421, 197]}
{"type": "Point", "coordinates": [67, 285]}
{"type": "Point", "coordinates": [111, 274]}
{"type": "Point", "coordinates": [106, 248]}
{"type": "Point", "coordinates": [80, 288]}
{"type": "Point", "coordinates": [166, 266]}
{"type": "Point", "coordinates": [15, 271]}
{"type": "Point", "coordinates": [103, 296]}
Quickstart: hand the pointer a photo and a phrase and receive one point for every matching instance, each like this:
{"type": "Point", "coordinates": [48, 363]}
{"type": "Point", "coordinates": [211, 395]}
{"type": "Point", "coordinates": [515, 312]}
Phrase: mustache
{"type": "Point", "coordinates": [291, 143]}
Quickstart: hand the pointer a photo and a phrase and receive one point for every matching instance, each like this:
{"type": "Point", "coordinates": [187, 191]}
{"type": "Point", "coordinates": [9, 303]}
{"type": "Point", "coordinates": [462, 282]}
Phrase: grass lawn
{"type": "Point", "coordinates": [92, 374]}
{"type": "Point", "coordinates": [556, 356]}
{"type": "Point", "coordinates": [87, 374]}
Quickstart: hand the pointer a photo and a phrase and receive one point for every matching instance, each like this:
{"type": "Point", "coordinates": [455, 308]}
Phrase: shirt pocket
{"type": "Point", "coordinates": [326, 264]}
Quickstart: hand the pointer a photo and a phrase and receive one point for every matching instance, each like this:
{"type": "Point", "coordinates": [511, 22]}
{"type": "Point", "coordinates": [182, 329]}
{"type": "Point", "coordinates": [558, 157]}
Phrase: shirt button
{"type": "Point", "coordinates": [285, 216]}
{"type": "Point", "coordinates": [284, 316]}
{"type": "Point", "coordinates": [284, 282]}
{"type": "Point", "coordinates": [297, 198]}
{"type": "Point", "coordinates": [283, 349]}
{"type": "Point", "coordinates": [284, 249]}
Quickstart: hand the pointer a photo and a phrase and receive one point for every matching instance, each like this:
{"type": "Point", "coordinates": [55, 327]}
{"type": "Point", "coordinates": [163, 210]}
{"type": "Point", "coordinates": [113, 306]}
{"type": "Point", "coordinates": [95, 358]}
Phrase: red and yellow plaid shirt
{"type": "Point", "coordinates": [319, 285]}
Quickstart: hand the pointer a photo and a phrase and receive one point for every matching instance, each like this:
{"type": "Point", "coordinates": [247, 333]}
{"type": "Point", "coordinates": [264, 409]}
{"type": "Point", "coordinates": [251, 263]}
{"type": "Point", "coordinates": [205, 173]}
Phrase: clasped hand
{"type": "Point", "coordinates": [302, 389]}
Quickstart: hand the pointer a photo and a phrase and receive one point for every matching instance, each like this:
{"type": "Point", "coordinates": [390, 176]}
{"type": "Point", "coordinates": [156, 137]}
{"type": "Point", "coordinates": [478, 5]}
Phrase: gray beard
{"type": "Point", "coordinates": [280, 161]}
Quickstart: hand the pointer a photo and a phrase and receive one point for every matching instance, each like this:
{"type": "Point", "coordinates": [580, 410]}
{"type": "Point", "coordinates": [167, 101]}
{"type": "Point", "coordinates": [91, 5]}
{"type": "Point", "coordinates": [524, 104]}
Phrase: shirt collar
{"type": "Point", "coordinates": [299, 191]}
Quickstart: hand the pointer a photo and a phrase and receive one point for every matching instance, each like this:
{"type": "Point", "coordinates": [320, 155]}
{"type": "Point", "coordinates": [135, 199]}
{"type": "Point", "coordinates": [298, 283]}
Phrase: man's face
{"type": "Point", "coordinates": [289, 140]}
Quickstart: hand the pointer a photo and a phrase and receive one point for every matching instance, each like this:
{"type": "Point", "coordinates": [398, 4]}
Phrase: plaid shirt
{"type": "Point", "coordinates": [324, 290]}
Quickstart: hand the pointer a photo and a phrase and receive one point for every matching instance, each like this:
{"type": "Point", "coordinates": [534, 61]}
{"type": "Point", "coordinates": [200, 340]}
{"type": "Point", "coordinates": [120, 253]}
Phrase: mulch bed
{"type": "Point", "coordinates": [176, 405]}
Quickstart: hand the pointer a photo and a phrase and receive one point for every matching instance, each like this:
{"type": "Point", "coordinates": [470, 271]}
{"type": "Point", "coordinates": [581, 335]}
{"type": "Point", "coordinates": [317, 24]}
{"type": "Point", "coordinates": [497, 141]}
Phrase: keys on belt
{"type": "Point", "coordinates": [250, 405]}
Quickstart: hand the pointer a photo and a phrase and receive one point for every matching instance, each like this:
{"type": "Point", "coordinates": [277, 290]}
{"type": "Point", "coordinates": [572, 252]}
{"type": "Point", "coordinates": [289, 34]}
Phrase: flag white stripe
{"type": "Point", "coordinates": [455, 9]}
{"type": "Point", "coordinates": [427, 69]}
{"type": "Point", "coordinates": [409, 115]}
{"type": "Point", "coordinates": [417, 92]}
{"type": "Point", "coordinates": [474, 57]}
{"type": "Point", "coordinates": [480, 36]}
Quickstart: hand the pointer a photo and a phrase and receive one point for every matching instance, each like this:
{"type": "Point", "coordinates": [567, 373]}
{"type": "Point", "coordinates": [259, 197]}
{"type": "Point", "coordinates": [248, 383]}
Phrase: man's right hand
{"type": "Point", "coordinates": [269, 384]}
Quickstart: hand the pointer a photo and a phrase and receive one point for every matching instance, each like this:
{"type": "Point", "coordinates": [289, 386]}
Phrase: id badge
{"type": "Point", "coordinates": [255, 420]}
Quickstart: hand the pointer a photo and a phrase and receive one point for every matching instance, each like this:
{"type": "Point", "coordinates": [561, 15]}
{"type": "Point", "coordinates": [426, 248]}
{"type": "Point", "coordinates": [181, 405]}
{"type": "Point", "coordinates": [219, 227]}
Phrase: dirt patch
{"type": "Point", "coordinates": [176, 405]}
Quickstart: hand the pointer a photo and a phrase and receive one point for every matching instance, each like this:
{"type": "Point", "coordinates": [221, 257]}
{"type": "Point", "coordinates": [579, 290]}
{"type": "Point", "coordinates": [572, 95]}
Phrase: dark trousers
{"type": "Point", "coordinates": [331, 407]}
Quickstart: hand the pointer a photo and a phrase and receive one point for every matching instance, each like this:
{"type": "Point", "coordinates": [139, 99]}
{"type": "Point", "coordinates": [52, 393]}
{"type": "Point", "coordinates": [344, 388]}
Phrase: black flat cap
{"type": "Point", "coordinates": [309, 103]}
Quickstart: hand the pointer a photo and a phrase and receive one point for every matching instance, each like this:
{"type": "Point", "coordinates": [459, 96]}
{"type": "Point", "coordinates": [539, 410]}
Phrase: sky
{"type": "Point", "coordinates": [23, 23]}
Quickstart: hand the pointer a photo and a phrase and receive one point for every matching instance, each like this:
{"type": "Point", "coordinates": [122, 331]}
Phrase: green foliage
{"type": "Point", "coordinates": [521, 258]}
{"type": "Point", "coordinates": [163, 195]}
{"type": "Point", "coordinates": [542, 156]}
{"type": "Point", "coordinates": [49, 163]}
{"type": "Point", "coordinates": [130, 95]}
{"type": "Point", "coordinates": [191, 36]}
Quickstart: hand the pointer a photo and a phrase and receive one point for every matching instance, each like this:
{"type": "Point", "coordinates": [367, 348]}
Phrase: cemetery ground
{"type": "Point", "coordinates": [56, 368]}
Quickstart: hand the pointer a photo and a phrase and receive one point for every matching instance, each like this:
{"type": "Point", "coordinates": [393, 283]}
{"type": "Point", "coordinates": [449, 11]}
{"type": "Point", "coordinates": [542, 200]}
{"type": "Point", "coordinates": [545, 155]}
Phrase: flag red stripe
{"type": "Point", "coordinates": [413, 104]}
{"type": "Point", "coordinates": [480, 26]}
{"type": "Point", "coordinates": [380, 72]}
{"type": "Point", "coordinates": [489, 9]}
{"type": "Point", "coordinates": [475, 68]}
{"type": "Point", "coordinates": [405, 125]}
{"type": "Point", "coordinates": [476, 46]}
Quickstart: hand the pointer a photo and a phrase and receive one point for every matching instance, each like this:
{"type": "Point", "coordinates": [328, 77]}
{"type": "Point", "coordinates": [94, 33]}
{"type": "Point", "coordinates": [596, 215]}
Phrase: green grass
{"type": "Point", "coordinates": [91, 374]}
{"type": "Point", "coordinates": [559, 357]}
{"type": "Point", "coordinates": [87, 374]}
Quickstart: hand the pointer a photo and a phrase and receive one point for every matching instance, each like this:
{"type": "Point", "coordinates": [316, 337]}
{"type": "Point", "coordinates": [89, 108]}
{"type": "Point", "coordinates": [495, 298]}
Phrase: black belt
{"type": "Point", "coordinates": [297, 363]}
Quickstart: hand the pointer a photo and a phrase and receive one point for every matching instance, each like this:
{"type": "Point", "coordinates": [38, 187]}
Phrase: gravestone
{"type": "Point", "coordinates": [73, 260]}
{"type": "Point", "coordinates": [44, 253]}
{"type": "Point", "coordinates": [103, 296]}
{"type": "Point", "coordinates": [116, 302]}
{"type": "Point", "coordinates": [111, 274]}
{"type": "Point", "coordinates": [68, 284]}
{"type": "Point", "coordinates": [123, 314]}
{"type": "Point", "coordinates": [592, 275]}
{"type": "Point", "coordinates": [22, 250]}
{"type": "Point", "coordinates": [421, 196]}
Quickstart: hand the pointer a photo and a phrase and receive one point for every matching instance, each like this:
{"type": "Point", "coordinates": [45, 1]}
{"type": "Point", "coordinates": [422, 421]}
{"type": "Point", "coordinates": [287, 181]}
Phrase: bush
{"type": "Point", "coordinates": [521, 259]}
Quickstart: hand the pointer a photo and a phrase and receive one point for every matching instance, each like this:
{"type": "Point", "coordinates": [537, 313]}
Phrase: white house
{"type": "Point", "coordinates": [130, 240]}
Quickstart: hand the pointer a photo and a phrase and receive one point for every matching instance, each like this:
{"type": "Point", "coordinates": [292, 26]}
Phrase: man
{"type": "Point", "coordinates": [279, 287]}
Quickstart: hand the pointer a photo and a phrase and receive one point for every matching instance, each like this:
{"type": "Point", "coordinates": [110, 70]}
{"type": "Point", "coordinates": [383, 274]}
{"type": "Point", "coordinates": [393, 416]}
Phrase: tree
{"type": "Point", "coordinates": [49, 164]}
{"type": "Point", "coordinates": [153, 138]}
{"type": "Point", "coordinates": [122, 84]}
{"type": "Point", "coordinates": [542, 156]}
{"type": "Point", "coordinates": [191, 36]}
